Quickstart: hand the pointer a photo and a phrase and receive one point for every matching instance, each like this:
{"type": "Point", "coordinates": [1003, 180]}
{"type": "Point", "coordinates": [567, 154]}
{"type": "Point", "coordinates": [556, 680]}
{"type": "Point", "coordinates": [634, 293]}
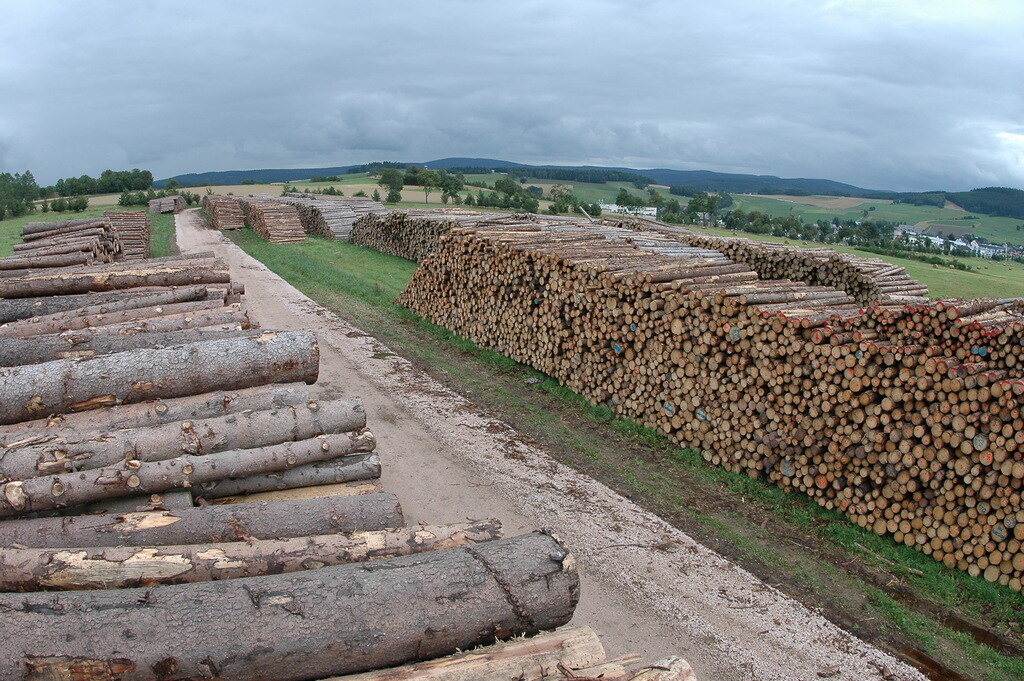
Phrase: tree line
{"type": "Point", "coordinates": [109, 182]}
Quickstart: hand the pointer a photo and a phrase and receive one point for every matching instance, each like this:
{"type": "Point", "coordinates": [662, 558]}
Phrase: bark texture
{"type": "Point", "coordinates": [217, 523]}
{"type": "Point", "coordinates": [52, 282]}
{"type": "Point", "coordinates": [38, 390]}
{"type": "Point", "coordinates": [345, 469]}
{"type": "Point", "coordinates": [25, 308]}
{"type": "Point", "coordinates": [70, 451]}
{"type": "Point", "coordinates": [669, 669]}
{"type": "Point", "coordinates": [306, 625]}
{"type": "Point", "coordinates": [87, 343]}
{"type": "Point", "coordinates": [530, 659]}
{"type": "Point", "coordinates": [83, 319]}
{"type": "Point", "coordinates": [133, 477]}
{"type": "Point", "coordinates": [170, 500]}
{"type": "Point", "coordinates": [156, 412]}
{"type": "Point", "coordinates": [126, 567]}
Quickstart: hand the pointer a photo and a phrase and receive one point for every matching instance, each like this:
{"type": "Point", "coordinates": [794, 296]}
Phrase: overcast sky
{"type": "Point", "coordinates": [896, 94]}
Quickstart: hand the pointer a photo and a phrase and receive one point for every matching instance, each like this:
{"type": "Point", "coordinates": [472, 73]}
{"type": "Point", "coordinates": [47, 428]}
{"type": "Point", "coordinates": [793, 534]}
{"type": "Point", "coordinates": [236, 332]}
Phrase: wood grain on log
{"type": "Point", "coordinates": [345, 469]}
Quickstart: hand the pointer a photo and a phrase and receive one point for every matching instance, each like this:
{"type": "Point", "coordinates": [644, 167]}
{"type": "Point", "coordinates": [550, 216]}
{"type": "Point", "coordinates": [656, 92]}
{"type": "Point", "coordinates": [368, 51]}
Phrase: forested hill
{"type": "Point", "coordinates": [1000, 201]}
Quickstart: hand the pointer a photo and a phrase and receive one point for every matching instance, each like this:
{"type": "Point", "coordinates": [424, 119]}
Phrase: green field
{"type": "Point", "coordinates": [997, 230]}
{"type": "Point", "coordinates": [880, 590]}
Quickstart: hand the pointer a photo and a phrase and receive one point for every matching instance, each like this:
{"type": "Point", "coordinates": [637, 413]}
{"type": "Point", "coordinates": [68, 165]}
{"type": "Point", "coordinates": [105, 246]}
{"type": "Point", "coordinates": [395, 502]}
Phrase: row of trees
{"type": "Point", "coordinates": [109, 182]}
{"type": "Point", "coordinates": [17, 193]}
{"type": "Point", "coordinates": [142, 198]}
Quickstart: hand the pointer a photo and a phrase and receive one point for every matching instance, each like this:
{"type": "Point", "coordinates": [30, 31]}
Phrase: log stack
{"type": "Point", "coordinates": [223, 212]}
{"type": "Point", "coordinates": [331, 217]}
{"type": "Point", "coordinates": [905, 415]}
{"type": "Point", "coordinates": [409, 234]}
{"type": "Point", "coordinates": [62, 243]}
{"type": "Point", "coordinates": [126, 399]}
{"type": "Point", "coordinates": [132, 230]}
{"type": "Point", "coordinates": [167, 204]}
{"type": "Point", "coordinates": [272, 220]}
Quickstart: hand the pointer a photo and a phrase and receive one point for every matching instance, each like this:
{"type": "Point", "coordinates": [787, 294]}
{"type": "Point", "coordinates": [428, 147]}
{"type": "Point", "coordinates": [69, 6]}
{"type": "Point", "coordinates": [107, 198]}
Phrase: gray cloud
{"type": "Point", "coordinates": [880, 94]}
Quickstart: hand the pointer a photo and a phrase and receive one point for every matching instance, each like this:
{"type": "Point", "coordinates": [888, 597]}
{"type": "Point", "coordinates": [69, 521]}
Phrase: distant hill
{"type": "Point", "coordinates": [1001, 201]}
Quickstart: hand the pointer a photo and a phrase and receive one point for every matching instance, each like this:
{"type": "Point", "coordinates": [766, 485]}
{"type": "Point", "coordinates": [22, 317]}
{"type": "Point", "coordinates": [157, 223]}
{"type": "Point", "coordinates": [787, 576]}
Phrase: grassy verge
{"type": "Point", "coordinates": [161, 235]}
{"type": "Point", "coordinates": [885, 592]}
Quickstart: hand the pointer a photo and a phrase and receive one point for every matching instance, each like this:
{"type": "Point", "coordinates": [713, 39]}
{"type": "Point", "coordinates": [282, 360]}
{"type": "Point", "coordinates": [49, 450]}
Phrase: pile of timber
{"type": "Point", "coordinates": [143, 424]}
{"type": "Point", "coordinates": [62, 243]}
{"type": "Point", "coordinates": [904, 415]}
{"type": "Point", "coordinates": [866, 279]}
{"type": "Point", "coordinates": [331, 217]}
{"type": "Point", "coordinates": [409, 234]}
{"type": "Point", "coordinates": [167, 204]}
{"type": "Point", "coordinates": [223, 212]}
{"type": "Point", "coordinates": [132, 230]}
{"type": "Point", "coordinates": [272, 220]}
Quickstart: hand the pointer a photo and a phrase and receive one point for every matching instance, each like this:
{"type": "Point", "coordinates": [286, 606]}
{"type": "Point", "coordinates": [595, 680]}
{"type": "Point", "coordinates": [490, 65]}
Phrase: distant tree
{"type": "Point", "coordinates": [430, 181]}
{"type": "Point", "coordinates": [174, 184]}
{"type": "Point", "coordinates": [392, 179]}
{"type": "Point", "coordinates": [376, 195]}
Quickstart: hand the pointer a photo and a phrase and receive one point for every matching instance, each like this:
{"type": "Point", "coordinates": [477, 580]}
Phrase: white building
{"type": "Point", "coordinates": [649, 211]}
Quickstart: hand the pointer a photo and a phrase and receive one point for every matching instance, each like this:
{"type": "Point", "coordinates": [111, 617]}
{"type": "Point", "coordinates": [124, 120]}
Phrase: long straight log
{"type": "Point", "coordinates": [24, 308]}
{"type": "Point", "coordinates": [81, 319]}
{"type": "Point", "coordinates": [149, 477]}
{"type": "Point", "coordinates": [141, 274]}
{"type": "Point", "coordinates": [39, 390]}
{"type": "Point", "coordinates": [539, 658]}
{"type": "Point", "coordinates": [299, 626]}
{"type": "Point", "coordinates": [164, 501]}
{"type": "Point", "coordinates": [229, 316]}
{"type": "Point", "coordinates": [126, 567]}
{"type": "Point", "coordinates": [86, 343]}
{"type": "Point", "coordinates": [71, 451]}
{"type": "Point", "coordinates": [216, 523]}
{"type": "Point", "coordinates": [45, 261]}
{"type": "Point", "coordinates": [154, 413]}
{"type": "Point", "coordinates": [344, 469]}
{"type": "Point", "coordinates": [102, 304]}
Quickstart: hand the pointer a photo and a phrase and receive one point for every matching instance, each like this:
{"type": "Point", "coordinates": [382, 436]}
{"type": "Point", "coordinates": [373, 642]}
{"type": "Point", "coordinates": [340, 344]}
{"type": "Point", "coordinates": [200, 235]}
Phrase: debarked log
{"type": "Point", "coordinates": [304, 625]}
{"type": "Point", "coordinates": [38, 390]}
{"type": "Point", "coordinates": [538, 658]}
{"type": "Point", "coordinates": [137, 477]}
{"type": "Point", "coordinates": [334, 471]}
{"type": "Point", "coordinates": [83, 319]}
{"type": "Point", "coordinates": [125, 567]}
{"type": "Point", "coordinates": [48, 454]}
{"type": "Point", "coordinates": [230, 522]}
{"type": "Point", "coordinates": [26, 308]}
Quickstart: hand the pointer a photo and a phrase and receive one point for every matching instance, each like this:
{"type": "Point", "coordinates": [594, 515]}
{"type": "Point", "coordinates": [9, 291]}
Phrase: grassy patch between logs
{"type": "Point", "coordinates": [161, 235]}
{"type": "Point", "coordinates": [887, 593]}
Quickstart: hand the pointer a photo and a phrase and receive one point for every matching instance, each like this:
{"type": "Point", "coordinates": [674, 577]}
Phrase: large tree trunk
{"type": "Point", "coordinates": [87, 343]}
{"type": "Point", "coordinates": [216, 523]}
{"type": "Point", "coordinates": [134, 477]}
{"type": "Point", "coordinates": [346, 469]}
{"type": "Point", "coordinates": [154, 413]}
{"type": "Point", "coordinates": [26, 308]}
{"type": "Point", "coordinates": [70, 451]}
{"type": "Point", "coordinates": [304, 625]}
{"type": "Point", "coordinates": [38, 390]}
{"type": "Point", "coordinates": [538, 658]}
{"type": "Point", "coordinates": [128, 276]}
{"type": "Point", "coordinates": [82, 319]}
{"type": "Point", "coordinates": [126, 567]}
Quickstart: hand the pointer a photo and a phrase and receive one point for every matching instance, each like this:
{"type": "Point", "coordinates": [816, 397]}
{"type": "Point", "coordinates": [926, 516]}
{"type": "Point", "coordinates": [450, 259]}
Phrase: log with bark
{"type": "Point", "coordinates": [82, 319]}
{"type": "Point", "coordinates": [164, 501]}
{"type": "Point", "coordinates": [298, 626]}
{"type": "Point", "coordinates": [14, 309]}
{"type": "Point", "coordinates": [126, 567]}
{"type": "Point", "coordinates": [544, 657]}
{"type": "Point", "coordinates": [125, 276]}
{"type": "Point", "coordinates": [86, 343]}
{"type": "Point", "coordinates": [345, 469]}
{"type": "Point", "coordinates": [39, 390]}
{"type": "Point", "coordinates": [214, 523]}
{"type": "Point", "coordinates": [132, 477]}
{"type": "Point", "coordinates": [157, 412]}
{"type": "Point", "coordinates": [46, 261]}
{"type": "Point", "coordinates": [669, 669]}
{"type": "Point", "coordinates": [70, 451]}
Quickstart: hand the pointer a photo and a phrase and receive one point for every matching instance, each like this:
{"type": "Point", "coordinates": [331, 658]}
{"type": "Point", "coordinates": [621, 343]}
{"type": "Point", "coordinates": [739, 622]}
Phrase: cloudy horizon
{"type": "Point", "coordinates": [877, 93]}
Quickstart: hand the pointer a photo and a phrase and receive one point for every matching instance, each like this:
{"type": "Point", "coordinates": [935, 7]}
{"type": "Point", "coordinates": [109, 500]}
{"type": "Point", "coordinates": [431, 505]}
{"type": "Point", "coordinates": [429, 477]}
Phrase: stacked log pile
{"type": "Point", "coordinates": [408, 234]}
{"type": "Point", "coordinates": [132, 230]}
{"type": "Point", "coordinates": [223, 212]}
{"type": "Point", "coordinates": [331, 217]}
{"type": "Point", "coordinates": [167, 204]}
{"type": "Point", "coordinates": [126, 399]}
{"type": "Point", "coordinates": [62, 243]}
{"type": "Point", "coordinates": [905, 416]}
{"type": "Point", "coordinates": [272, 220]}
{"type": "Point", "coordinates": [866, 279]}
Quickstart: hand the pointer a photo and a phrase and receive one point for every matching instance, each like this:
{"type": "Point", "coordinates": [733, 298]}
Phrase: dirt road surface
{"type": "Point", "coordinates": [648, 588]}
